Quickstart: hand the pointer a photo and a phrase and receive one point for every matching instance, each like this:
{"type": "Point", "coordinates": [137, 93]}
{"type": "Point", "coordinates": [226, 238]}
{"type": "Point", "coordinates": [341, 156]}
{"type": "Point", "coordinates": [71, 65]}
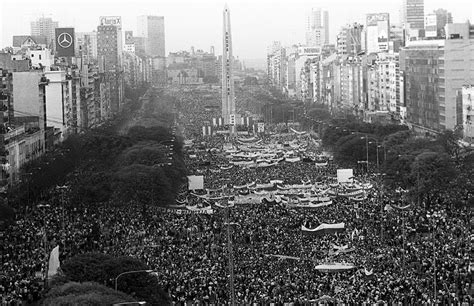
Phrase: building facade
{"type": "Point", "coordinates": [468, 113]}
{"type": "Point", "coordinates": [413, 18]}
{"type": "Point", "coordinates": [45, 27]}
{"type": "Point", "coordinates": [152, 28]}
{"type": "Point", "coordinates": [349, 40]}
{"type": "Point", "coordinates": [317, 27]}
{"type": "Point", "coordinates": [377, 31]}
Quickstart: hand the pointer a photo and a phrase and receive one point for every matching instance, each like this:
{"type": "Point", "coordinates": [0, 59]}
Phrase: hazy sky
{"type": "Point", "coordinates": [255, 24]}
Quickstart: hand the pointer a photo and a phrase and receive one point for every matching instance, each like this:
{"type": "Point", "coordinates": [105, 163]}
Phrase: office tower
{"type": "Point", "coordinates": [228, 103]}
{"type": "Point", "coordinates": [377, 32]}
{"type": "Point", "coordinates": [317, 28]}
{"type": "Point", "coordinates": [435, 23]}
{"type": "Point", "coordinates": [44, 26]}
{"type": "Point", "coordinates": [152, 28]}
{"type": "Point", "coordinates": [349, 40]}
{"type": "Point", "coordinates": [413, 18]}
{"type": "Point", "coordinates": [109, 53]}
{"type": "Point", "coordinates": [109, 47]}
{"type": "Point", "coordinates": [86, 45]}
{"type": "Point", "coordinates": [435, 72]}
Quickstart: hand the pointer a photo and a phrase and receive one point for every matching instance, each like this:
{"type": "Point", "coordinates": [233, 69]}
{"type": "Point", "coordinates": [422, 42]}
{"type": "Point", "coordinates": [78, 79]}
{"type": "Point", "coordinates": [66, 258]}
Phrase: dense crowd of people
{"type": "Point", "coordinates": [401, 253]}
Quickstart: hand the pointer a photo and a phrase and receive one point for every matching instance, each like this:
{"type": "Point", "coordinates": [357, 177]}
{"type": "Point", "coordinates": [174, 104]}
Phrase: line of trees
{"type": "Point", "coordinates": [111, 163]}
{"type": "Point", "coordinates": [430, 169]}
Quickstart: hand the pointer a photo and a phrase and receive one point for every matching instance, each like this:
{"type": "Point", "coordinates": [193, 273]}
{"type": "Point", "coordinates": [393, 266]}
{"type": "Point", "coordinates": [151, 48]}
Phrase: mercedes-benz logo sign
{"type": "Point", "coordinates": [65, 40]}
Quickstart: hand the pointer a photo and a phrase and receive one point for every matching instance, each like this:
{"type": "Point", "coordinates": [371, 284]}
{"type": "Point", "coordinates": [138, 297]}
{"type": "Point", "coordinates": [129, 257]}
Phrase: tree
{"type": "Point", "coordinates": [449, 141]}
{"type": "Point", "coordinates": [102, 268]}
{"type": "Point", "coordinates": [87, 293]}
{"type": "Point", "coordinates": [144, 184]}
{"type": "Point", "coordinates": [319, 113]}
{"type": "Point", "coordinates": [434, 173]}
{"type": "Point", "coordinates": [7, 216]}
{"type": "Point", "coordinates": [350, 149]}
{"type": "Point", "coordinates": [146, 153]}
{"type": "Point", "coordinates": [249, 80]}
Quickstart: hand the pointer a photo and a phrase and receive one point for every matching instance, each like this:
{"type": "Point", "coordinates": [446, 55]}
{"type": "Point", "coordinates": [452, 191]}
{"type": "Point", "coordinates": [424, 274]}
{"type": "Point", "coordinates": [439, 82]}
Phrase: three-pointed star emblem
{"type": "Point", "coordinates": [65, 40]}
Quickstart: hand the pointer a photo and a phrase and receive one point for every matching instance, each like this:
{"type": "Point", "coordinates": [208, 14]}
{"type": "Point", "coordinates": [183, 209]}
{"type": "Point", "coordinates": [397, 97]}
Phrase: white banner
{"type": "Point", "coordinates": [196, 182]}
{"type": "Point", "coordinates": [344, 175]}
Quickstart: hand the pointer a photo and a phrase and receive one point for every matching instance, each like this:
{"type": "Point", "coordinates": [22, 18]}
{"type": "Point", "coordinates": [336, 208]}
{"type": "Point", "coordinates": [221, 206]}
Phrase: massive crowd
{"type": "Point", "coordinates": [401, 254]}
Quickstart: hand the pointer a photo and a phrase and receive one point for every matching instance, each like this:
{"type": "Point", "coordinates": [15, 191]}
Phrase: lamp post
{"type": "Point", "coordinates": [62, 189]}
{"type": "Point", "coordinates": [433, 219]}
{"type": "Point", "coordinates": [130, 272]}
{"type": "Point", "coordinates": [378, 178]}
{"type": "Point", "coordinates": [230, 254]}
{"type": "Point", "coordinates": [45, 243]}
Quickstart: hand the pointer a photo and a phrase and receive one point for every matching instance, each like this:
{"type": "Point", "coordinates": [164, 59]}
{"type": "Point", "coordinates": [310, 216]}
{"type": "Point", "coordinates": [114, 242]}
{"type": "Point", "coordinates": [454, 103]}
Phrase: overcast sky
{"type": "Point", "coordinates": [198, 23]}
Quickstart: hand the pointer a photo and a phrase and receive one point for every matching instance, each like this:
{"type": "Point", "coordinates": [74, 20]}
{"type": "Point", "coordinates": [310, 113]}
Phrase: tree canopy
{"type": "Point", "coordinates": [103, 269]}
{"type": "Point", "coordinates": [86, 293]}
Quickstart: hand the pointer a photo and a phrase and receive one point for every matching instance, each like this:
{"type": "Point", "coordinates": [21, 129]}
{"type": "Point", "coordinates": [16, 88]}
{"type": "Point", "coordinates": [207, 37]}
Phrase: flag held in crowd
{"type": "Point", "coordinates": [53, 265]}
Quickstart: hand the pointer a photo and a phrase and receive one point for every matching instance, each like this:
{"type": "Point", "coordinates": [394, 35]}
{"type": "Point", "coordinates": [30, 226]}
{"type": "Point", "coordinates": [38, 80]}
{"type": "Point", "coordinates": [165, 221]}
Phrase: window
{"type": "Point", "coordinates": [39, 56]}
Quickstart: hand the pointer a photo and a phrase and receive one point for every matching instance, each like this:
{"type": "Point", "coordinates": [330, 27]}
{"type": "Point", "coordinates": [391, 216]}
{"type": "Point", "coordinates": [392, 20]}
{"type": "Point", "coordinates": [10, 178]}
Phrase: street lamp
{"type": "Point", "coordinates": [130, 272]}
{"type": "Point", "coordinates": [45, 241]}
{"type": "Point", "coordinates": [366, 137]}
{"type": "Point", "coordinates": [433, 217]}
{"type": "Point", "coordinates": [62, 189]}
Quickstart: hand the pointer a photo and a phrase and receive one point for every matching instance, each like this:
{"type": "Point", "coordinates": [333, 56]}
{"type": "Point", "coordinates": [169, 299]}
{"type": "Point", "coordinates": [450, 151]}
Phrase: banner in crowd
{"type": "Point", "coordinates": [247, 121]}
{"type": "Point", "coordinates": [243, 186]}
{"type": "Point", "coordinates": [249, 199]}
{"type": "Point", "coordinates": [183, 210]}
{"type": "Point", "coordinates": [345, 175]}
{"type": "Point", "coordinates": [196, 182]}
{"type": "Point", "coordinates": [313, 205]}
{"type": "Point", "coordinates": [335, 267]}
{"type": "Point", "coordinates": [324, 228]}
{"type": "Point", "coordinates": [218, 121]}
{"type": "Point", "coordinates": [282, 256]}
{"type": "Point", "coordinates": [207, 130]}
{"type": "Point", "coordinates": [247, 140]}
{"type": "Point", "coordinates": [297, 132]}
{"type": "Point", "coordinates": [354, 194]}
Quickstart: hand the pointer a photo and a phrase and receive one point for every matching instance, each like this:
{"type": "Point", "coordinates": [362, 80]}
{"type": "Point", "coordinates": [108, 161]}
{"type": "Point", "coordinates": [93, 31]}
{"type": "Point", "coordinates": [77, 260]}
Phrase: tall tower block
{"type": "Point", "coordinates": [228, 101]}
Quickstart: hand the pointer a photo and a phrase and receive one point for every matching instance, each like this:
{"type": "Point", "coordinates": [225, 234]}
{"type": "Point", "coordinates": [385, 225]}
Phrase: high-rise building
{"type": "Point", "coordinates": [86, 45]}
{"type": "Point", "coordinates": [44, 26]}
{"type": "Point", "coordinates": [228, 102]}
{"type": "Point", "coordinates": [468, 112]}
{"type": "Point", "coordinates": [109, 47]}
{"type": "Point", "coordinates": [435, 72]}
{"type": "Point", "coordinates": [109, 53]}
{"type": "Point", "coordinates": [435, 23]}
{"type": "Point", "coordinates": [377, 33]}
{"type": "Point", "coordinates": [153, 29]}
{"type": "Point", "coordinates": [317, 28]}
{"type": "Point", "coordinates": [349, 40]}
{"type": "Point", "coordinates": [413, 12]}
{"type": "Point", "coordinates": [413, 18]}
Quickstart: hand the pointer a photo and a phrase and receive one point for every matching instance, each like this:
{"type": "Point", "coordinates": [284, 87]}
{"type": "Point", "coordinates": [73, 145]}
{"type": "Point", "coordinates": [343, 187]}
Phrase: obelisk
{"type": "Point", "coordinates": [228, 102]}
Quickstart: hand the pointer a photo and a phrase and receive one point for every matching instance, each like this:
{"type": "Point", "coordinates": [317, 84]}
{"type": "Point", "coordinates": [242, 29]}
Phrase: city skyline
{"type": "Point", "coordinates": [201, 24]}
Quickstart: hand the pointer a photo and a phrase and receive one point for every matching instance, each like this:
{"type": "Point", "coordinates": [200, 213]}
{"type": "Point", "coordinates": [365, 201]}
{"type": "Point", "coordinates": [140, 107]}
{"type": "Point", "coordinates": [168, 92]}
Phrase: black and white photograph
{"type": "Point", "coordinates": [236, 152]}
